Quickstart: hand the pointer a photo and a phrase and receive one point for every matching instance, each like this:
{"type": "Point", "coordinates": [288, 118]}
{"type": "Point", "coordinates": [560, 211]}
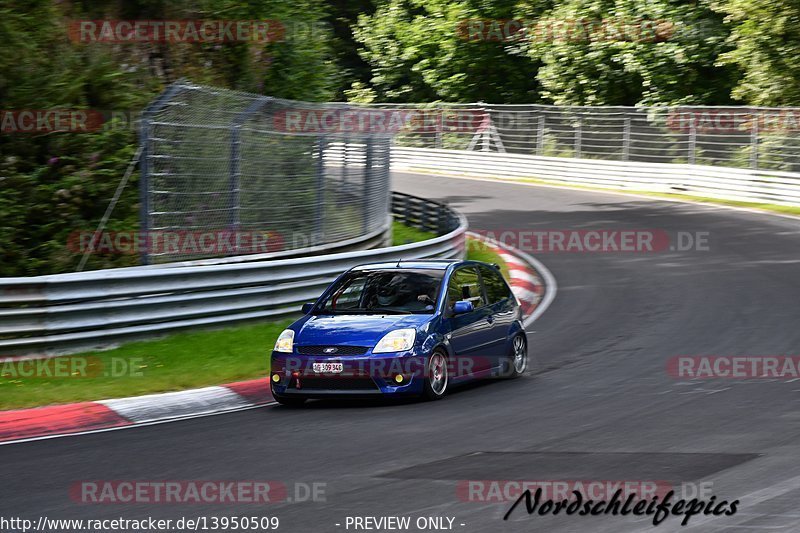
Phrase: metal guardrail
{"type": "Point", "coordinates": [750, 185]}
{"type": "Point", "coordinates": [68, 312]}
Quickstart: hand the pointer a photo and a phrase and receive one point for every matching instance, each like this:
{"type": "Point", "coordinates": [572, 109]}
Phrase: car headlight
{"type": "Point", "coordinates": [285, 342]}
{"type": "Point", "coordinates": [396, 341]}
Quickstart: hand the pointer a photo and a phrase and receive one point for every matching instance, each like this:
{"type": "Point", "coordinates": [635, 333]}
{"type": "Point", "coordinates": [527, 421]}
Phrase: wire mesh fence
{"type": "Point", "coordinates": [226, 173]}
{"type": "Point", "coordinates": [743, 137]}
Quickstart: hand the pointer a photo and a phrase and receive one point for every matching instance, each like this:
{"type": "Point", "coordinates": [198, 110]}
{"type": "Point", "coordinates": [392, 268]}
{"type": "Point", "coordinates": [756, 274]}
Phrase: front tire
{"type": "Point", "coordinates": [436, 377]}
{"type": "Point", "coordinates": [518, 361]}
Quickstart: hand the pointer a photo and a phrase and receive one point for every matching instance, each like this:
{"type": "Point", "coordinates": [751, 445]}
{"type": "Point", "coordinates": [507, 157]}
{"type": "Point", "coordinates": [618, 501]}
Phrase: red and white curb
{"type": "Point", "coordinates": [530, 281]}
{"type": "Point", "coordinates": [103, 415]}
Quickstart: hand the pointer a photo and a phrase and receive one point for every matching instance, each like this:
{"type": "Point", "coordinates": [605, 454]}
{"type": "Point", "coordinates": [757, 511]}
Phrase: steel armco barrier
{"type": "Point", "coordinates": [747, 185]}
{"type": "Point", "coordinates": [69, 312]}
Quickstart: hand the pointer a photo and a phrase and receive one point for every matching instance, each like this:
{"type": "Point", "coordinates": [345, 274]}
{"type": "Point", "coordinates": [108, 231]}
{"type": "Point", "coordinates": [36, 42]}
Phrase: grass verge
{"type": "Point", "coordinates": [176, 362]}
{"type": "Point", "coordinates": [402, 234]}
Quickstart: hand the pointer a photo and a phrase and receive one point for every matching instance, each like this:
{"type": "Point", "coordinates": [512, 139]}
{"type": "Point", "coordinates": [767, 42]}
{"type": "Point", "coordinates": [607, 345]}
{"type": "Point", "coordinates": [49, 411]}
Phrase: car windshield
{"type": "Point", "coordinates": [385, 291]}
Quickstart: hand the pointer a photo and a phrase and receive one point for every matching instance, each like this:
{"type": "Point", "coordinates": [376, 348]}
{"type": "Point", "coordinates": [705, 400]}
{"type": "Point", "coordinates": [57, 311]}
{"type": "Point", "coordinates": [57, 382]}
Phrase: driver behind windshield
{"type": "Point", "coordinates": [405, 291]}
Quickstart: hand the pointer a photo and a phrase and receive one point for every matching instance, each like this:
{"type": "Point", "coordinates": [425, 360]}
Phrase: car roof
{"type": "Point", "coordinates": [428, 264]}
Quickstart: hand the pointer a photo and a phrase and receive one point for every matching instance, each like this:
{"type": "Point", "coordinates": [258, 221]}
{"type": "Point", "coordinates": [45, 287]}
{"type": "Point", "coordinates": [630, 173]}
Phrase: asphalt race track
{"type": "Point", "coordinates": [600, 391]}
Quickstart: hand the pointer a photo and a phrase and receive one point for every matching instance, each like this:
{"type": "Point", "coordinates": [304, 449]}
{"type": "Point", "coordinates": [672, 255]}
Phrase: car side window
{"type": "Point", "coordinates": [496, 288]}
{"type": "Point", "coordinates": [464, 285]}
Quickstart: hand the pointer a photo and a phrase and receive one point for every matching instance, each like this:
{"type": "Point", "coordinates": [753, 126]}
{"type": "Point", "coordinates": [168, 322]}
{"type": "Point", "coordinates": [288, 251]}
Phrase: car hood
{"type": "Point", "coordinates": [354, 330]}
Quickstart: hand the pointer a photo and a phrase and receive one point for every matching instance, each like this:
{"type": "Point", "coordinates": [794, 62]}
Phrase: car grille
{"type": "Point", "coordinates": [336, 383]}
{"type": "Point", "coordinates": [340, 350]}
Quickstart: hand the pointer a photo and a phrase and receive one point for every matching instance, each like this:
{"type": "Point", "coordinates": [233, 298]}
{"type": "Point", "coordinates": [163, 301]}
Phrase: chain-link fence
{"type": "Point", "coordinates": [227, 173]}
{"type": "Point", "coordinates": [758, 138]}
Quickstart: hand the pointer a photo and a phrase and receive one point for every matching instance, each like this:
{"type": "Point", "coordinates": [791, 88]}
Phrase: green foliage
{"type": "Point", "coordinates": [417, 54]}
{"type": "Point", "coordinates": [55, 184]}
{"type": "Point", "coordinates": [766, 45]}
{"type": "Point", "coordinates": [627, 52]}
{"type": "Point", "coordinates": [679, 52]}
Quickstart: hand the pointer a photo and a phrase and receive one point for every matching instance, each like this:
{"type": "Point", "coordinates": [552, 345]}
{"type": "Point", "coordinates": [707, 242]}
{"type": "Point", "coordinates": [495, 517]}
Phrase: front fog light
{"type": "Point", "coordinates": [398, 340]}
{"type": "Point", "coordinates": [276, 378]}
{"type": "Point", "coordinates": [285, 342]}
{"type": "Point", "coordinates": [399, 378]}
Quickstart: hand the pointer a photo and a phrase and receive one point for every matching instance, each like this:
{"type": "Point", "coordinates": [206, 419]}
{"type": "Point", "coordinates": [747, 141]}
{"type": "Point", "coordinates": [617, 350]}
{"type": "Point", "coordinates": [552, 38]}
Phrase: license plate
{"type": "Point", "coordinates": [330, 368]}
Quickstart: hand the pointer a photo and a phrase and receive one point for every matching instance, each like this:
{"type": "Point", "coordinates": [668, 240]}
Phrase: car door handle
{"type": "Point", "coordinates": [490, 319]}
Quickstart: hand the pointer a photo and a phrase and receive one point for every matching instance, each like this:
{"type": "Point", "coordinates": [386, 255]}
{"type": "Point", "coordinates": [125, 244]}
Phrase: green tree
{"type": "Point", "coordinates": [627, 52]}
{"type": "Point", "coordinates": [766, 36]}
{"type": "Point", "coordinates": [418, 52]}
{"type": "Point", "coordinates": [54, 184]}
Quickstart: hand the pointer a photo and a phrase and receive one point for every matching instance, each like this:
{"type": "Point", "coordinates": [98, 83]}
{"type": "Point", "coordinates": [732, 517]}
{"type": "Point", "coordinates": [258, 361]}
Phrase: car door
{"type": "Point", "coordinates": [502, 312]}
{"type": "Point", "coordinates": [469, 332]}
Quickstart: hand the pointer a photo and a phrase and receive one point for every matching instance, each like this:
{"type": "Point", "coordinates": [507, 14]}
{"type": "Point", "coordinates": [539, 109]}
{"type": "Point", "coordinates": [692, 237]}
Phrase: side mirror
{"type": "Point", "coordinates": [462, 306]}
{"type": "Point", "coordinates": [307, 307]}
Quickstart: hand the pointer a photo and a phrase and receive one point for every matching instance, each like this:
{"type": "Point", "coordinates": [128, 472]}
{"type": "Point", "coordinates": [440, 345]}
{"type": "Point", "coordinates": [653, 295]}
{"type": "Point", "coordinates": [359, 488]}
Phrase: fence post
{"type": "Point", "coordinates": [626, 139]}
{"type": "Point", "coordinates": [320, 209]}
{"type": "Point", "coordinates": [144, 188]}
{"type": "Point", "coordinates": [578, 139]}
{"type": "Point", "coordinates": [692, 141]}
{"type": "Point", "coordinates": [235, 163]}
{"type": "Point", "coordinates": [540, 135]}
{"type": "Point", "coordinates": [144, 164]}
{"type": "Point", "coordinates": [368, 176]}
{"type": "Point", "coordinates": [754, 144]}
{"type": "Point", "coordinates": [439, 129]}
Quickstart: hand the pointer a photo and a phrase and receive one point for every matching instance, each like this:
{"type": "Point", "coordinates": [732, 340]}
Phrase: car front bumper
{"type": "Point", "coordinates": [292, 375]}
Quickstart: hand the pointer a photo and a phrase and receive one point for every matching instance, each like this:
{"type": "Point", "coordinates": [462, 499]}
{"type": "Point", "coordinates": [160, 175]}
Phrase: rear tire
{"type": "Point", "coordinates": [437, 378]}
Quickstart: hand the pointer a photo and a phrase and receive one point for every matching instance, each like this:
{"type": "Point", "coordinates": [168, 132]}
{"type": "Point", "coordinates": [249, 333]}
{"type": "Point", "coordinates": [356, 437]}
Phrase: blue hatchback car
{"type": "Point", "coordinates": [412, 328]}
